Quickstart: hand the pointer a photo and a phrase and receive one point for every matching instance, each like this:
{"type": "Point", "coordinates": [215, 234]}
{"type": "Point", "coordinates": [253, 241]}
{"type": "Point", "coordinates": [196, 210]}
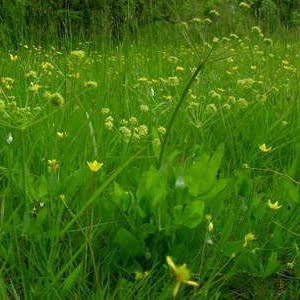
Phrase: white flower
{"type": "Point", "coordinates": [180, 184]}
{"type": "Point", "coordinates": [152, 92]}
{"type": "Point", "coordinates": [9, 139]}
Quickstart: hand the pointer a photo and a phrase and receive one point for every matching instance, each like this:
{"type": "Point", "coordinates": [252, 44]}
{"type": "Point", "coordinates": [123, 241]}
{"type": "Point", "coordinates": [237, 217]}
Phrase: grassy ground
{"type": "Point", "coordinates": [73, 229]}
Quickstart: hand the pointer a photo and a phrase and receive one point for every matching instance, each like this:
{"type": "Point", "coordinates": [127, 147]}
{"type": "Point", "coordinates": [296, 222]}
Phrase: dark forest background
{"type": "Point", "coordinates": [22, 20]}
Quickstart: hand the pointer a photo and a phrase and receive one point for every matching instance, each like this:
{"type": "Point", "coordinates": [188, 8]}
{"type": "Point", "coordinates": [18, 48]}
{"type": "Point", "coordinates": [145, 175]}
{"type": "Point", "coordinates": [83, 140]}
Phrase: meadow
{"type": "Point", "coordinates": [166, 166]}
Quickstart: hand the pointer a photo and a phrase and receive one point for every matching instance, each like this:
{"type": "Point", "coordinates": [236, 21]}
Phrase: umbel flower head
{"type": "Point", "coordinates": [94, 166]}
{"type": "Point", "coordinates": [181, 274]}
{"type": "Point", "coordinates": [56, 99]}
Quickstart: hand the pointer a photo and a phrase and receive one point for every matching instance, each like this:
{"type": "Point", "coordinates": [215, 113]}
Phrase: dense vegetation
{"type": "Point", "coordinates": [31, 19]}
{"type": "Point", "coordinates": [137, 136]}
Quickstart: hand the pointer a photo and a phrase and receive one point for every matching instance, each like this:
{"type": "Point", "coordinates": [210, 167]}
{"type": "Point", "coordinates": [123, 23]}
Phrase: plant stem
{"type": "Point", "coordinates": [176, 110]}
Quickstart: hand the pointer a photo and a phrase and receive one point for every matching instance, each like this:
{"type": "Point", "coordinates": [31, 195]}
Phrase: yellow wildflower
{"type": "Point", "coordinates": [61, 135]}
{"type": "Point", "coordinates": [109, 125]}
{"type": "Point", "coordinates": [74, 75]}
{"type": "Point", "coordinates": [179, 68]}
{"type": "Point", "coordinates": [141, 275]}
{"type": "Point", "coordinates": [182, 275]}
{"type": "Point", "coordinates": [248, 238]}
{"type": "Point", "coordinates": [56, 98]}
{"type": "Point", "coordinates": [214, 12]}
{"type": "Point", "coordinates": [210, 226]}
{"type": "Point", "coordinates": [109, 122]}
{"type": "Point", "coordinates": [125, 131]}
{"type": "Point", "coordinates": [168, 98]}
{"type": "Point", "coordinates": [79, 54]}
{"type": "Point", "coordinates": [274, 205]}
{"type": "Point", "coordinates": [90, 84]}
{"type": "Point", "coordinates": [7, 82]}
{"type": "Point", "coordinates": [31, 74]}
{"type": "Point", "coordinates": [53, 165]}
{"type": "Point", "coordinates": [105, 110]}
{"type": "Point", "coordinates": [161, 130]}
{"type": "Point", "coordinates": [144, 108]}
{"type": "Point", "coordinates": [46, 65]}
{"type": "Point", "coordinates": [62, 197]}
{"type": "Point", "coordinates": [244, 5]}
{"type": "Point", "coordinates": [13, 57]}
{"type": "Point", "coordinates": [133, 120]}
{"type": "Point", "coordinates": [35, 87]}
{"type": "Point", "coordinates": [142, 79]}
{"type": "Point", "coordinates": [264, 148]}
{"type": "Point", "coordinates": [94, 166]}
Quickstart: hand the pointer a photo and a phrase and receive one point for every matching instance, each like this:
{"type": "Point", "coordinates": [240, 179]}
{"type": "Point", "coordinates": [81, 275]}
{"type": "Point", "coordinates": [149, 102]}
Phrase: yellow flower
{"type": "Point", "coordinates": [35, 87]}
{"type": "Point", "coordinates": [167, 98]}
{"type": "Point", "coordinates": [56, 98]}
{"type": "Point", "coordinates": [144, 108]}
{"type": "Point", "coordinates": [46, 65]}
{"type": "Point", "coordinates": [143, 79]}
{"type": "Point", "coordinates": [53, 165]}
{"type": "Point", "coordinates": [74, 75]}
{"type": "Point", "coordinates": [274, 205]}
{"type": "Point", "coordinates": [31, 74]}
{"type": "Point", "coordinates": [161, 130]}
{"type": "Point", "coordinates": [141, 275]}
{"type": "Point", "coordinates": [142, 130]}
{"type": "Point", "coordinates": [80, 54]}
{"type": "Point", "coordinates": [61, 135]}
{"type": "Point", "coordinates": [210, 226]}
{"type": "Point", "coordinates": [90, 84]}
{"type": "Point", "coordinates": [248, 238]}
{"type": "Point", "coordinates": [244, 5]}
{"type": "Point", "coordinates": [94, 166]}
{"type": "Point", "coordinates": [264, 148]}
{"type": "Point", "coordinates": [179, 68]}
{"type": "Point", "coordinates": [182, 275]}
{"type": "Point", "coordinates": [13, 57]}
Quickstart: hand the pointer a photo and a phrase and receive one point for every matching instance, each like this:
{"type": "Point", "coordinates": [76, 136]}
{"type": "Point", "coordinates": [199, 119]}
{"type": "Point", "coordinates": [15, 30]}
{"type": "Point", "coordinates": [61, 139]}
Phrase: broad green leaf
{"type": "Point", "coordinates": [292, 191]}
{"type": "Point", "coordinates": [128, 243]}
{"type": "Point", "coordinates": [189, 215]}
{"type": "Point", "coordinates": [272, 265]}
{"type": "Point", "coordinates": [201, 178]}
{"type": "Point", "coordinates": [152, 190]}
{"type": "Point", "coordinates": [120, 197]}
{"type": "Point", "coordinates": [42, 186]}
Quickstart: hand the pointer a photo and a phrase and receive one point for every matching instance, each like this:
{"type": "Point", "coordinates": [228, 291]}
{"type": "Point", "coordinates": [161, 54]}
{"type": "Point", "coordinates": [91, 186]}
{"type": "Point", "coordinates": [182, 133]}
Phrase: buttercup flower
{"type": "Point", "coordinates": [264, 148]}
{"type": "Point", "coordinates": [53, 165]}
{"type": "Point", "coordinates": [274, 205]}
{"type": "Point", "coordinates": [248, 238]}
{"type": "Point", "coordinates": [94, 166]}
{"type": "Point", "coordinates": [181, 274]}
{"type": "Point", "coordinates": [13, 57]}
{"type": "Point", "coordinates": [61, 135]}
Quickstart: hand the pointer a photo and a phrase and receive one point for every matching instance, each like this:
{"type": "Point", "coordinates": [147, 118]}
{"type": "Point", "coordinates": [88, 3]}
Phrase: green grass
{"type": "Point", "coordinates": [70, 233]}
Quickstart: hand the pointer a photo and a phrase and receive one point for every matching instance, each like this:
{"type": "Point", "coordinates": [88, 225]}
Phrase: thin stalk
{"type": "Point", "coordinates": [179, 104]}
{"type": "Point", "coordinates": [24, 181]}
